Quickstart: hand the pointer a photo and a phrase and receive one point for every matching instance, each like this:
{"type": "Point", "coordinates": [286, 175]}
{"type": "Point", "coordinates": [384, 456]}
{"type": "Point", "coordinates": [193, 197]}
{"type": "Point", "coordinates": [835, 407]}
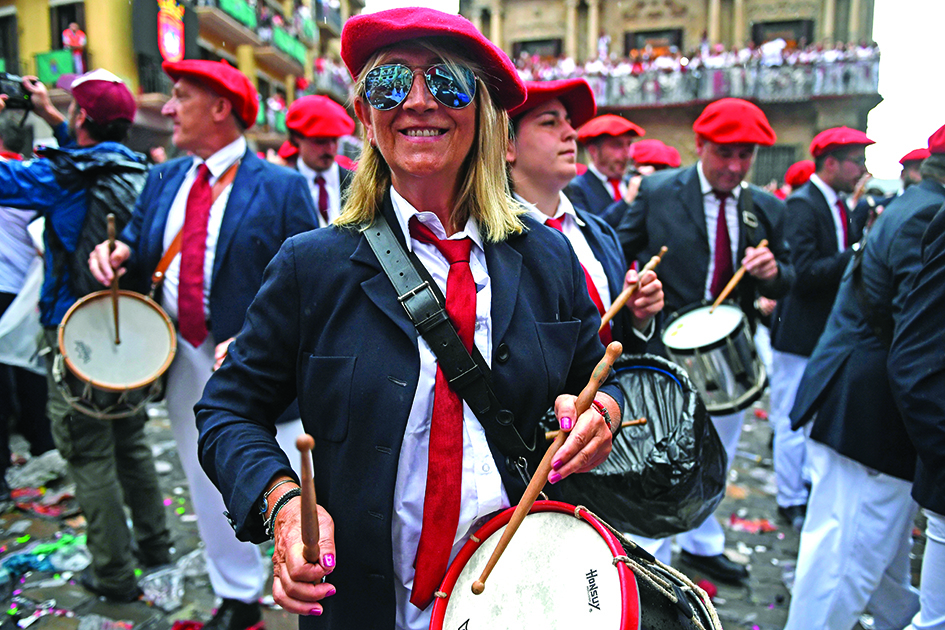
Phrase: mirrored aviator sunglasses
{"type": "Point", "coordinates": [387, 86]}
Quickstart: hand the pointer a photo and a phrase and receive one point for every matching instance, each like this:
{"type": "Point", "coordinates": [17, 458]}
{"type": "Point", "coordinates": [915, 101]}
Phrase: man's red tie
{"type": "Point", "coordinates": [842, 209]}
{"type": "Point", "coordinates": [615, 184]}
{"type": "Point", "coordinates": [445, 460]}
{"type": "Point", "coordinates": [322, 197]}
{"type": "Point", "coordinates": [606, 336]}
{"type": "Point", "coordinates": [193, 250]}
{"type": "Point", "coordinates": [724, 270]}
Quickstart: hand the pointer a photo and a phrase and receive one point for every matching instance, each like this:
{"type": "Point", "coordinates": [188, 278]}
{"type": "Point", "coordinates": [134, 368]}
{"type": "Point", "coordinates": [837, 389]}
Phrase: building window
{"type": "Point", "coordinates": [659, 41]}
{"type": "Point", "coordinates": [771, 163]}
{"type": "Point", "coordinates": [795, 32]}
{"type": "Point", "coordinates": [9, 54]}
{"type": "Point", "coordinates": [61, 16]}
{"type": "Point", "coordinates": [540, 47]}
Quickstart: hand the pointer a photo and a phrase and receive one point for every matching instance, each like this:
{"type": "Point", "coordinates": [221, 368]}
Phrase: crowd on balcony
{"type": "Point", "coordinates": [267, 18]}
{"type": "Point", "coordinates": [771, 71]}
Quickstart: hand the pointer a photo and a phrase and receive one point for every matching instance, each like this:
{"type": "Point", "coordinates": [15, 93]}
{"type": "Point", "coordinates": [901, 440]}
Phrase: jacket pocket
{"type": "Point", "coordinates": [558, 341]}
{"type": "Point", "coordinates": [325, 396]}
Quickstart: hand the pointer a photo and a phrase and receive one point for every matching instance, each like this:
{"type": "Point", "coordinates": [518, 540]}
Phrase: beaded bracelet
{"type": "Point", "coordinates": [270, 524]}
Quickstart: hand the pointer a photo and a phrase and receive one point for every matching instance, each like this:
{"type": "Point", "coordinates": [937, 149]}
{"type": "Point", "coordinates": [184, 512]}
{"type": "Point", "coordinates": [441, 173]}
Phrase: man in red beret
{"type": "Point", "coordinates": [211, 221]}
{"type": "Point", "coordinates": [315, 123]}
{"type": "Point", "coordinates": [602, 189]}
{"type": "Point", "coordinates": [650, 156]}
{"type": "Point", "coordinates": [820, 231]}
{"type": "Point", "coordinates": [856, 541]}
{"type": "Point", "coordinates": [713, 221]}
{"type": "Point", "coordinates": [911, 162]}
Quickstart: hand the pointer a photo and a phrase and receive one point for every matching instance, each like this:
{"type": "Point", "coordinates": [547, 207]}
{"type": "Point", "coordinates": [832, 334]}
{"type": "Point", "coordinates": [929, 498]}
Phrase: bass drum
{"type": "Point", "coordinates": [663, 477]}
{"type": "Point", "coordinates": [106, 380]}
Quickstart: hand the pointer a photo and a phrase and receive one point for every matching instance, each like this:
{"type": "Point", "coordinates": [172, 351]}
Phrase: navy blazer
{"type": "Point", "coordinates": [587, 191]}
{"type": "Point", "coordinates": [845, 386]}
{"type": "Point", "coordinates": [668, 211]}
{"type": "Point", "coordinates": [801, 316]}
{"type": "Point", "coordinates": [917, 367]}
{"type": "Point", "coordinates": [327, 327]}
{"type": "Point", "coordinates": [267, 205]}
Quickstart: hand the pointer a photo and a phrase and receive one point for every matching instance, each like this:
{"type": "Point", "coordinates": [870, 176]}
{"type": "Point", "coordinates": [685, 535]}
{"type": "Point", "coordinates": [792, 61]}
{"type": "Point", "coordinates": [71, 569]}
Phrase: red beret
{"type": "Point", "coordinates": [654, 153]}
{"type": "Point", "coordinates": [609, 125]}
{"type": "Point", "coordinates": [798, 173]}
{"type": "Point", "coordinates": [318, 116]}
{"type": "Point", "coordinates": [574, 94]}
{"type": "Point", "coordinates": [345, 162]}
{"type": "Point", "coordinates": [835, 138]}
{"type": "Point", "coordinates": [288, 150]}
{"type": "Point", "coordinates": [223, 79]}
{"type": "Point", "coordinates": [937, 141]}
{"type": "Point", "coordinates": [734, 121]}
{"type": "Point", "coordinates": [916, 155]}
{"type": "Point", "coordinates": [364, 35]}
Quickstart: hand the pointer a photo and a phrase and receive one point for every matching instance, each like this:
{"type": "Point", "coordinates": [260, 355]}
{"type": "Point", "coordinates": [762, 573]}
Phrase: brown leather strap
{"type": "Point", "coordinates": [216, 190]}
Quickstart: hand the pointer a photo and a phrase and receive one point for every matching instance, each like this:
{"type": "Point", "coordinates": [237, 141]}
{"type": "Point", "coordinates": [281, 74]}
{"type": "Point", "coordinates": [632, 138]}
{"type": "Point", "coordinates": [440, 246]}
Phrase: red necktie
{"type": "Point", "coordinates": [615, 184]}
{"type": "Point", "coordinates": [322, 197]}
{"type": "Point", "coordinates": [445, 460]}
{"type": "Point", "coordinates": [724, 270]}
{"type": "Point", "coordinates": [606, 336]}
{"type": "Point", "coordinates": [842, 209]}
{"type": "Point", "coordinates": [193, 251]}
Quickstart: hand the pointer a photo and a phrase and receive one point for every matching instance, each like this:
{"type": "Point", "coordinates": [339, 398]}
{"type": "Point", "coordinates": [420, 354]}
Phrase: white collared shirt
{"type": "Point", "coordinates": [710, 204]}
{"type": "Point", "coordinates": [832, 198]}
{"type": "Point", "coordinates": [218, 163]}
{"type": "Point", "coordinates": [482, 492]}
{"type": "Point", "coordinates": [606, 181]}
{"type": "Point", "coordinates": [332, 186]}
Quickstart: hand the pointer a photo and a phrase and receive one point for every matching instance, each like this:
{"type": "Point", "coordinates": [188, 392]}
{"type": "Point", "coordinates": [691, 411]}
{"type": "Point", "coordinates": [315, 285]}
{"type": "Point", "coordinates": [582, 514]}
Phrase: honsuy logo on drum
{"type": "Point", "coordinates": [592, 600]}
{"type": "Point", "coordinates": [170, 24]}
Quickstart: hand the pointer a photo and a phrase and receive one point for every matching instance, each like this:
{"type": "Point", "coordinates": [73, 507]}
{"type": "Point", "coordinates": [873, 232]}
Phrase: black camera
{"type": "Point", "coordinates": [12, 86]}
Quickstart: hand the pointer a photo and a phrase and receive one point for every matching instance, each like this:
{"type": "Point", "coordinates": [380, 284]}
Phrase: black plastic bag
{"type": "Point", "coordinates": [666, 476]}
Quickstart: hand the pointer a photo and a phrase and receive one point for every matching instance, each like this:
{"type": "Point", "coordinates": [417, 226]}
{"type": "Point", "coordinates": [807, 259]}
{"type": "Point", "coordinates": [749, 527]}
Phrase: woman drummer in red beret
{"type": "Point", "coordinates": [404, 467]}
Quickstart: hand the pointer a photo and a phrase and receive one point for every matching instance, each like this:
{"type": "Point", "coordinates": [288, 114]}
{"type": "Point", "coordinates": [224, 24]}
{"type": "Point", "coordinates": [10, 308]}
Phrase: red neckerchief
{"type": "Point", "coordinates": [10, 155]}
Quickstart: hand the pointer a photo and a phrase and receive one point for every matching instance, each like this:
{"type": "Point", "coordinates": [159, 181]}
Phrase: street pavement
{"type": "Point", "coordinates": [48, 598]}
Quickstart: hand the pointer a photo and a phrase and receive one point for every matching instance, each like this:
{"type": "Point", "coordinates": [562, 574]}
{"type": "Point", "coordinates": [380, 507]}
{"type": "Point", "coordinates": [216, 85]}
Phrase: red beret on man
{"type": "Point", "coordinates": [608, 125]}
{"type": "Point", "coordinates": [915, 155]}
{"type": "Point", "coordinates": [363, 35]}
{"type": "Point", "coordinates": [937, 141]}
{"type": "Point", "coordinates": [654, 153]}
{"type": "Point", "coordinates": [223, 79]}
{"type": "Point", "coordinates": [318, 117]}
{"type": "Point", "coordinates": [835, 138]}
{"type": "Point", "coordinates": [734, 121]}
{"type": "Point", "coordinates": [798, 173]}
{"type": "Point", "coordinates": [288, 150]}
{"type": "Point", "coordinates": [574, 94]}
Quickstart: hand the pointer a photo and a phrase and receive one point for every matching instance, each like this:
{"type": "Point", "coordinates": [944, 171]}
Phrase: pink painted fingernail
{"type": "Point", "coordinates": [554, 477]}
{"type": "Point", "coordinates": [557, 464]}
{"type": "Point", "coordinates": [328, 561]}
{"type": "Point", "coordinates": [331, 591]}
{"type": "Point", "coordinates": [566, 423]}
{"type": "Point", "coordinates": [315, 611]}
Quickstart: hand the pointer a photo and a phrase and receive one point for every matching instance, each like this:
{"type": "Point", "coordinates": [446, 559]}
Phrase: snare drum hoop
{"type": "Point", "coordinates": [715, 345]}
{"type": "Point", "coordinates": [629, 593]}
{"type": "Point", "coordinates": [74, 369]}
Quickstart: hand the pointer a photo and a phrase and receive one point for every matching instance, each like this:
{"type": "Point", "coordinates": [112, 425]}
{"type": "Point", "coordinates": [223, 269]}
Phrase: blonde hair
{"type": "Point", "coordinates": [483, 191]}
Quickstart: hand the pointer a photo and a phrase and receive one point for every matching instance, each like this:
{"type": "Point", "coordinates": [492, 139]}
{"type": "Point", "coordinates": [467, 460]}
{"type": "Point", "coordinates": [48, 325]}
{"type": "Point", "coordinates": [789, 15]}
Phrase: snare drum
{"type": "Point", "coordinates": [717, 351]}
{"type": "Point", "coordinates": [106, 380]}
{"type": "Point", "coordinates": [566, 569]}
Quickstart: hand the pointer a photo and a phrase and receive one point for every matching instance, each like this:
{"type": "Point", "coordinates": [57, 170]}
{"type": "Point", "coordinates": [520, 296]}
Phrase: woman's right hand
{"type": "Point", "coordinates": [102, 263]}
{"type": "Point", "coordinates": [297, 585]}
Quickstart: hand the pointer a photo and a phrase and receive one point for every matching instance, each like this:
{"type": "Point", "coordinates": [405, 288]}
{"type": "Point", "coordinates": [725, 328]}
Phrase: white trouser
{"type": "Point", "coordinates": [236, 569]}
{"type": "Point", "coordinates": [790, 450]}
{"type": "Point", "coordinates": [763, 345]}
{"type": "Point", "coordinates": [854, 551]}
{"type": "Point", "coordinates": [932, 589]}
{"type": "Point", "coordinates": [709, 538]}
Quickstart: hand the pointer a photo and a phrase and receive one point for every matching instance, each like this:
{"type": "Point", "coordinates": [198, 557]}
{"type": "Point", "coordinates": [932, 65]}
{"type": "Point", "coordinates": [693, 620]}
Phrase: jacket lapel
{"type": "Point", "coordinates": [164, 201]}
{"type": "Point", "coordinates": [505, 269]}
{"type": "Point", "coordinates": [241, 194]}
{"type": "Point", "coordinates": [690, 195]}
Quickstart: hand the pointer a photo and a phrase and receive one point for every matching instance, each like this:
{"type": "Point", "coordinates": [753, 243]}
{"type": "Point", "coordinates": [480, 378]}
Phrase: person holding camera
{"type": "Point", "coordinates": [110, 462]}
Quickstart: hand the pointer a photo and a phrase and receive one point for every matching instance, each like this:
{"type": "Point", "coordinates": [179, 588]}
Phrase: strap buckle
{"type": "Point", "coordinates": [415, 291]}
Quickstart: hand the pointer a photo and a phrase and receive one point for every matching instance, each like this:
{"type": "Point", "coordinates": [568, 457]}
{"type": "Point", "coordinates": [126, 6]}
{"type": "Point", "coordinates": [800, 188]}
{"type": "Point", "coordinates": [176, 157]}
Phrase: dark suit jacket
{"type": "Point", "coordinates": [917, 367]}
{"type": "Point", "coordinates": [588, 192]}
{"type": "Point", "coordinates": [845, 386]}
{"type": "Point", "coordinates": [668, 211]}
{"type": "Point", "coordinates": [327, 327]}
{"type": "Point", "coordinates": [801, 316]}
{"type": "Point", "coordinates": [267, 205]}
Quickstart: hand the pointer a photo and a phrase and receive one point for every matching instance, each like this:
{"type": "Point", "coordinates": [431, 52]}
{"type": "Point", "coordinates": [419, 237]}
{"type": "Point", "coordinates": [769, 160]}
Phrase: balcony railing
{"type": "Point", "coordinates": [289, 45]}
{"type": "Point", "coordinates": [328, 15]}
{"type": "Point", "coordinates": [781, 83]}
{"type": "Point", "coordinates": [152, 78]}
{"type": "Point", "coordinates": [240, 11]}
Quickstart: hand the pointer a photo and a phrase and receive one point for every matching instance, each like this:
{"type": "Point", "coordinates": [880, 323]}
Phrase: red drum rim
{"type": "Point", "coordinates": [101, 295]}
{"type": "Point", "coordinates": [629, 593]}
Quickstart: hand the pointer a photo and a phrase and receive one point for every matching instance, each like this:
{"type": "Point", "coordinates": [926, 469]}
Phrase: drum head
{"type": "Point", "coordinates": [557, 572]}
{"type": "Point", "coordinates": [87, 341]}
{"type": "Point", "coordinates": [697, 328]}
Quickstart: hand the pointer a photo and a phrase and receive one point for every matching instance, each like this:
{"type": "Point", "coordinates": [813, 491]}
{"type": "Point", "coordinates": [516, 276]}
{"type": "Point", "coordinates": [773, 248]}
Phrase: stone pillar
{"type": "Point", "coordinates": [495, 24]}
{"type": "Point", "coordinates": [570, 33]}
{"type": "Point", "coordinates": [853, 33]}
{"type": "Point", "coordinates": [830, 16]}
{"type": "Point", "coordinates": [593, 27]}
{"type": "Point", "coordinates": [475, 16]}
{"type": "Point", "coordinates": [109, 44]}
{"type": "Point", "coordinates": [246, 62]}
{"type": "Point", "coordinates": [345, 11]}
{"type": "Point", "coordinates": [715, 19]}
{"type": "Point", "coordinates": [740, 35]}
{"type": "Point", "coordinates": [289, 89]}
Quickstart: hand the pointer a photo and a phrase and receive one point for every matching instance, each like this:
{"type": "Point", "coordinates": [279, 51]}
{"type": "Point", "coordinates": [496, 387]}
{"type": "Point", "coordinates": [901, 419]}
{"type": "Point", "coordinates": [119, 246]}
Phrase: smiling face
{"type": "Point", "coordinates": [421, 140]}
{"type": "Point", "coordinates": [724, 165]}
{"type": "Point", "coordinates": [544, 148]}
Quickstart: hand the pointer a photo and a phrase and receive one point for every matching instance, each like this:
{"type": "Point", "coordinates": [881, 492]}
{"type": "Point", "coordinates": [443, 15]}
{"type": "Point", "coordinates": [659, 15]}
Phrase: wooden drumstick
{"type": "Point", "coordinates": [583, 402]}
{"type": "Point", "coordinates": [627, 293]}
{"type": "Point", "coordinates": [305, 443]}
{"type": "Point", "coordinates": [734, 281]}
{"type": "Point", "coordinates": [114, 285]}
{"type": "Point", "coordinates": [550, 435]}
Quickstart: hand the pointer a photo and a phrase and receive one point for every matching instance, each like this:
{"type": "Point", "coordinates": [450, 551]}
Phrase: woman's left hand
{"type": "Point", "coordinates": [588, 443]}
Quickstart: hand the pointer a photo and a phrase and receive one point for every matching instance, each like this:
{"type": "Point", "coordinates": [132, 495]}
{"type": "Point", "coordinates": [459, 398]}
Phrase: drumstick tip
{"type": "Point", "coordinates": [478, 587]}
{"type": "Point", "coordinates": [305, 442]}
